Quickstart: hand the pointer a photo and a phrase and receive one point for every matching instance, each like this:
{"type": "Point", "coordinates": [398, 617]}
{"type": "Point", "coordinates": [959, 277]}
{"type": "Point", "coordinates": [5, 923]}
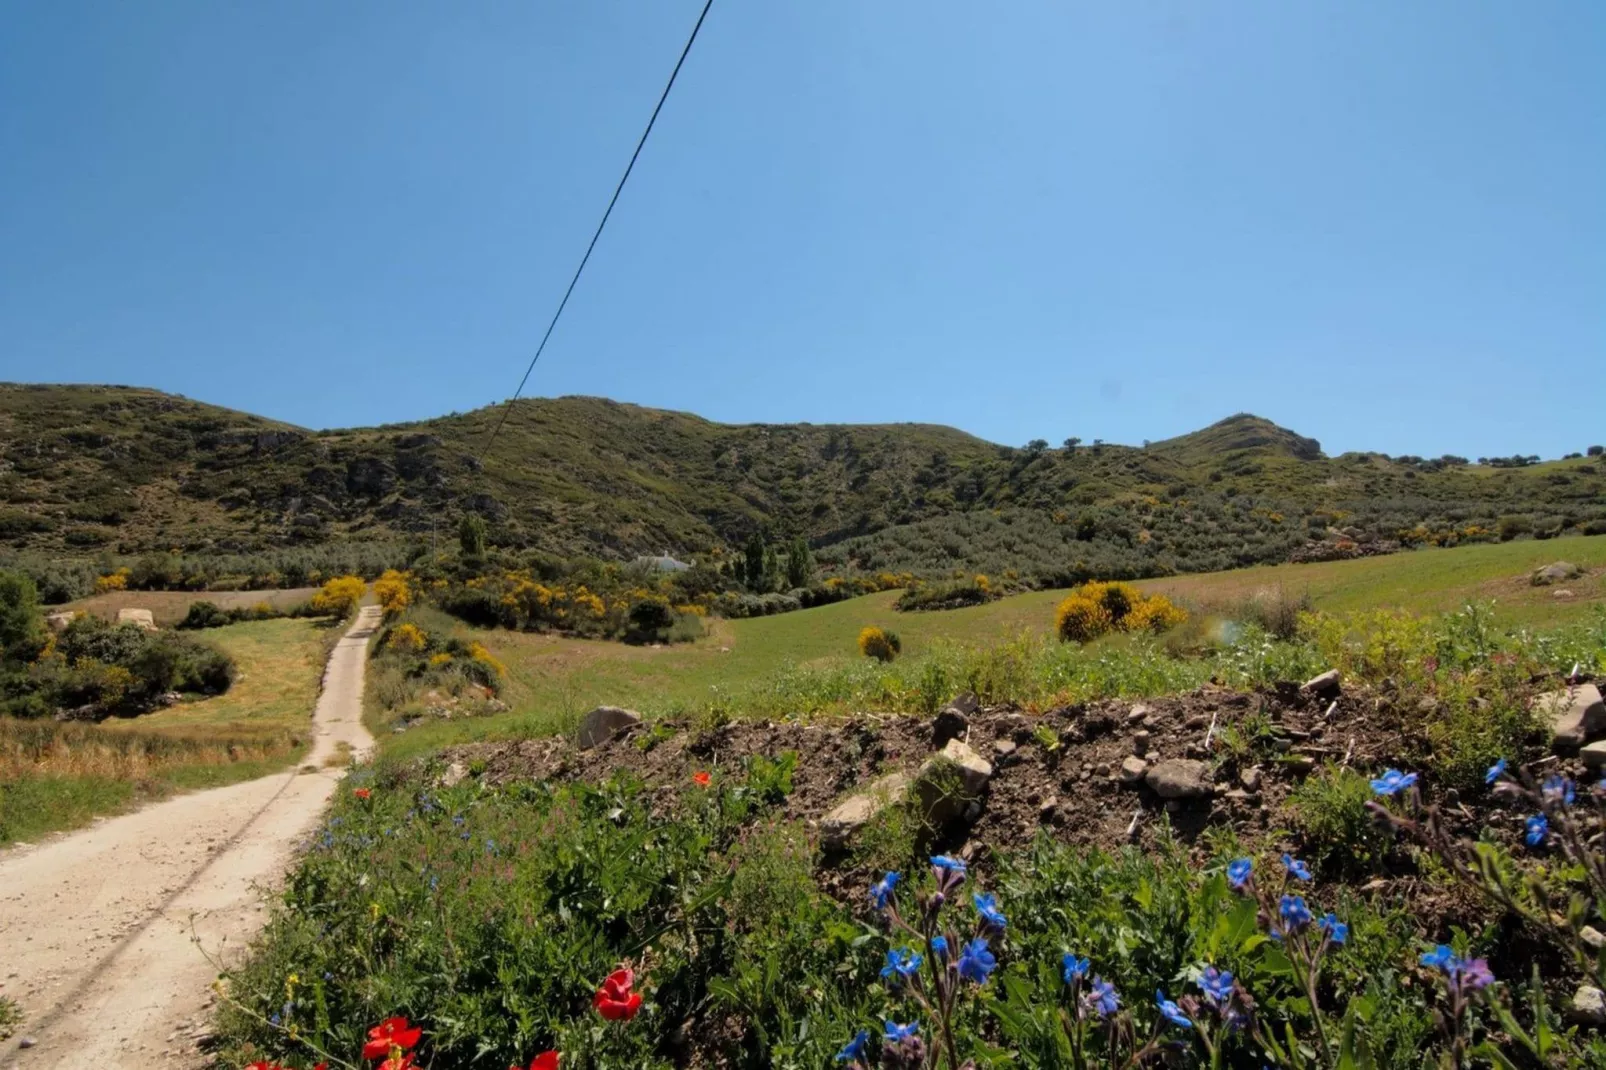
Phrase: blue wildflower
{"type": "Point", "coordinates": [976, 963]}
{"type": "Point", "coordinates": [1336, 931]}
{"type": "Point", "coordinates": [1217, 985]}
{"type": "Point", "coordinates": [1392, 782]}
{"type": "Point", "coordinates": [853, 1049]}
{"type": "Point", "coordinates": [1440, 958]}
{"type": "Point", "coordinates": [1101, 997]}
{"type": "Point", "coordinates": [1172, 1012]}
{"type": "Point", "coordinates": [1238, 872]}
{"type": "Point", "coordinates": [902, 963]}
{"type": "Point", "coordinates": [991, 916]}
{"type": "Point", "coordinates": [1496, 771]}
{"type": "Point", "coordinates": [1294, 913]}
{"type": "Point", "coordinates": [881, 890]}
{"type": "Point", "coordinates": [1537, 828]}
{"type": "Point", "coordinates": [1296, 869]}
{"type": "Point", "coordinates": [939, 948]}
{"type": "Point", "coordinates": [896, 1033]}
{"type": "Point", "coordinates": [1073, 968]}
{"type": "Point", "coordinates": [273, 1019]}
{"type": "Point", "coordinates": [1557, 789]}
{"type": "Point", "coordinates": [948, 864]}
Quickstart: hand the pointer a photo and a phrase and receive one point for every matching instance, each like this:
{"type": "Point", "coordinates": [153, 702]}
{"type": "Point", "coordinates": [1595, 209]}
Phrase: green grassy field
{"type": "Point", "coordinates": [58, 776]}
{"type": "Point", "coordinates": [553, 680]}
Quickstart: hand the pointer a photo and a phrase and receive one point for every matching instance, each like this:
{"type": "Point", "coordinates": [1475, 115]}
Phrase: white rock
{"type": "Point", "coordinates": [1588, 1006]}
{"type": "Point", "coordinates": [1576, 714]}
{"type": "Point", "coordinates": [858, 810]}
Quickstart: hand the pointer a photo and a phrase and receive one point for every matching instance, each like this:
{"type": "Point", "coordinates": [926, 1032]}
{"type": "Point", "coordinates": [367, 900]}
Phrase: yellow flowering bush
{"type": "Point", "coordinates": [879, 643]}
{"type": "Point", "coordinates": [339, 596]}
{"type": "Point", "coordinates": [1097, 608]}
{"type": "Point", "coordinates": [408, 638]}
{"type": "Point", "coordinates": [112, 581]}
{"type": "Point", "coordinates": [394, 591]}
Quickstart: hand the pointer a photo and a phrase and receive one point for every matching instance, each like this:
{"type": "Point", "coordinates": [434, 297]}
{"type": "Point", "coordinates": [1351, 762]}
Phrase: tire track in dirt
{"type": "Point", "coordinates": [109, 936]}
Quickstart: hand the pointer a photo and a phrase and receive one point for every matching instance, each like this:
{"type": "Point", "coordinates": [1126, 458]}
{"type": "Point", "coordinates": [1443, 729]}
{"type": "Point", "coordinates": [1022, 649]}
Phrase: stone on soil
{"type": "Point", "coordinates": [141, 617]}
{"type": "Point", "coordinates": [1326, 685]}
{"type": "Point", "coordinates": [1140, 742]}
{"type": "Point", "coordinates": [1554, 573]}
{"type": "Point", "coordinates": [1132, 769]}
{"type": "Point", "coordinates": [856, 811]}
{"type": "Point", "coordinates": [950, 780]}
{"type": "Point", "coordinates": [1576, 714]}
{"type": "Point", "coordinates": [603, 723]}
{"type": "Point", "coordinates": [1250, 778]}
{"type": "Point", "coordinates": [1594, 755]}
{"type": "Point", "coordinates": [1588, 1006]}
{"type": "Point", "coordinates": [1180, 778]}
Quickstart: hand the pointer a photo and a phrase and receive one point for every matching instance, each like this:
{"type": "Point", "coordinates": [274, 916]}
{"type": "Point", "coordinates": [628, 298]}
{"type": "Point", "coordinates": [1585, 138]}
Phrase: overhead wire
{"type": "Point", "coordinates": [617, 190]}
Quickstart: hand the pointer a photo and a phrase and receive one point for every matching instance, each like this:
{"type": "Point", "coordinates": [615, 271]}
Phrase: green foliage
{"type": "Point", "coordinates": [471, 536]}
{"type": "Point", "coordinates": [953, 594]}
{"type": "Point", "coordinates": [10, 1017]}
{"type": "Point", "coordinates": [101, 669]}
{"type": "Point", "coordinates": [1338, 833]}
{"type": "Point", "coordinates": [799, 564]}
{"type": "Point", "coordinates": [21, 625]}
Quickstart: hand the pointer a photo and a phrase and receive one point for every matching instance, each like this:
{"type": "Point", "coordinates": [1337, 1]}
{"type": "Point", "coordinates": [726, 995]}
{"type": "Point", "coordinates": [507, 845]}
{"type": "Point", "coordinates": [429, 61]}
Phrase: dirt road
{"type": "Point", "coordinates": [106, 934]}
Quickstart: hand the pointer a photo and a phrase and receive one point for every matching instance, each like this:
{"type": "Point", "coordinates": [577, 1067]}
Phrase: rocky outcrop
{"type": "Point", "coordinates": [1576, 715]}
{"type": "Point", "coordinates": [603, 724]}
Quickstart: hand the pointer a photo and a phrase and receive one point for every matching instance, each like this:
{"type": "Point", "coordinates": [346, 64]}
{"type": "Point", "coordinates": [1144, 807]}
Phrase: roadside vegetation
{"type": "Point", "coordinates": [150, 712]}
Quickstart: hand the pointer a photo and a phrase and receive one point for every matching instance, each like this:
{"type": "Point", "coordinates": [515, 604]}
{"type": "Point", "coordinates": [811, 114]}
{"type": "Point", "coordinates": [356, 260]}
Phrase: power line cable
{"type": "Point", "coordinates": [613, 201]}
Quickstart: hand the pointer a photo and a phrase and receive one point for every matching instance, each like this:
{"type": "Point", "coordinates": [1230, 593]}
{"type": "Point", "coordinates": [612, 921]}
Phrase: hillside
{"type": "Point", "coordinates": [89, 469]}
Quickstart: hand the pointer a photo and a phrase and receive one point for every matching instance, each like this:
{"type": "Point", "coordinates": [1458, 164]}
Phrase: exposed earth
{"type": "Point", "coordinates": [112, 934]}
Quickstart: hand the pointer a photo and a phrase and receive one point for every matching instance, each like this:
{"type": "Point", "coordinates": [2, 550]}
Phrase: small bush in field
{"type": "Point", "coordinates": [205, 615]}
{"type": "Point", "coordinates": [1330, 814]}
{"type": "Point", "coordinates": [879, 643]}
{"type": "Point", "coordinates": [112, 581]}
{"type": "Point", "coordinates": [1095, 609]}
{"type": "Point", "coordinates": [339, 596]}
{"type": "Point", "coordinates": [407, 638]}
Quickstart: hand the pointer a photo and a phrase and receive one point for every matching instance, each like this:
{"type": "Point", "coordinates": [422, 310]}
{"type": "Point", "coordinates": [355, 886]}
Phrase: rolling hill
{"type": "Point", "coordinates": [92, 469]}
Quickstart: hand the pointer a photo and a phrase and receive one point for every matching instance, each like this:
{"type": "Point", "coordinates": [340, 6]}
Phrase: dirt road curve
{"type": "Point", "coordinates": [99, 929]}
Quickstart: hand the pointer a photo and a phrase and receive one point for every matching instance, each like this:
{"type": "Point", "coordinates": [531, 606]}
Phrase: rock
{"type": "Point", "coordinates": [1576, 715]}
{"type": "Point", "coordinates": [1132, 770]}
{"type": "Point", "coordinates": [1554, 573]}
{"type": "Point", "coordinates": [1594, 755]}
{"type": "Point", "coordinates": [1140, 742]}
{"type": "Point", "coordinates": [1003, 748]}
{"type": "Point", "coordinates": [603, 723]}
{"type": "Point", "coordinates": [140, 617]}
{"type": "Point", "coordinates": [1588, 1006]}
{"type": "Point", "coordinates": [951, 723]}
{"type": "Point", "coordinates": [1180, 778]}
{"type": "Point", "coordinates": [57, 622]}
{"type": "Point", "coordinates": [951, 781]}
{"type": "Point", "coordinates": [1196, 722]}
{"type": "Point", "coordinates": [966, 703]}
{"type": "Point", "coordinates": [854, 812]}
{"type": "Point", "coordinates": [1561, 592]}
{"type": "Point", "coordinates": [455, 774]}
{"type": "Point", "coordinates": [1048, 809]}
{"type": "Point", "coordinates": [1592, 937]}
{"type": "Point", "coordinates": [1302, 765]}
{"type": "Point", "coordinates": [1237, 795]}
{"type": "Point", "coordinates": [1327, 685]}
{"type": "Point", "coordinates": [1250, 778]}
{"type": "Point", "coordinates": [1139, 714]}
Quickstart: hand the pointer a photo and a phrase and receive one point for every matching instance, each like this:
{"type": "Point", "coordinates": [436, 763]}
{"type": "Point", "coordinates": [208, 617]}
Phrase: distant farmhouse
{"type": "Point", "coordinates": [663, 563]}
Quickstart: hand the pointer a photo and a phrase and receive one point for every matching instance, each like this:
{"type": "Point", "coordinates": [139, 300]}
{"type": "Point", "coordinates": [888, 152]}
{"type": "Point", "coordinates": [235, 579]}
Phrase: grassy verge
{"type": "Point", "coordinates": [59, 776]}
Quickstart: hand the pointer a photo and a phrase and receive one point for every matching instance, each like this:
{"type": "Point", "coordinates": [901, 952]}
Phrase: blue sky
{"type": "Point", "coordinates": [1382, 224]}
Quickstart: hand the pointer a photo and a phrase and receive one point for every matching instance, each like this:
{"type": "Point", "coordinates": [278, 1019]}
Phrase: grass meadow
{"type": "Point", "coordinates": [805, 661]}
{"type": "Point", "coordinates": [56, 776]}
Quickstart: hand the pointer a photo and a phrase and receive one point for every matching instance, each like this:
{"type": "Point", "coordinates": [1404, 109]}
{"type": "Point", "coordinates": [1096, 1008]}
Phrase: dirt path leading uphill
{"type": "Point", "coordinates": [99, 929]}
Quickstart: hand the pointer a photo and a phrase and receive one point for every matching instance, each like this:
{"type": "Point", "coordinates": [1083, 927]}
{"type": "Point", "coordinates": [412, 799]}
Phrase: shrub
{"type": "Point", "coordinates": [407, 638]}
{"type": "Point", "coordinates": [967, 592]}
{"type": "Point", "coordinates": [879, 643]}
{"type": "Point", "coordinates": [205, 615]}
{"type": "Point", "coordinates": [112, 581]}
{"type": "Point", "coordinates": [393, 589]}
{"type": "Point", "coordinates": [1094, 609]}
{"type": "Point", "coordinates": [339, 596]}
{"type": "Point", "coordinates": [1329, 813]}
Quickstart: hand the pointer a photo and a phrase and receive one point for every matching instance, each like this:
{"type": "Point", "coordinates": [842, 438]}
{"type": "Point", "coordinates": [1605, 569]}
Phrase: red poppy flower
{"type": "Point", "coordinates": [702, 780]}
{"type": "Point", "coordinates": [614, 1000]}
{"type": "Point", "coordinates": [263, 1065]}
{"type": "Point", "coordinates": [362, 793]}
{"type": "Point", "coordinates": [547, 1060]}
{"type": "Point", "coordinates": [391, 1033]}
